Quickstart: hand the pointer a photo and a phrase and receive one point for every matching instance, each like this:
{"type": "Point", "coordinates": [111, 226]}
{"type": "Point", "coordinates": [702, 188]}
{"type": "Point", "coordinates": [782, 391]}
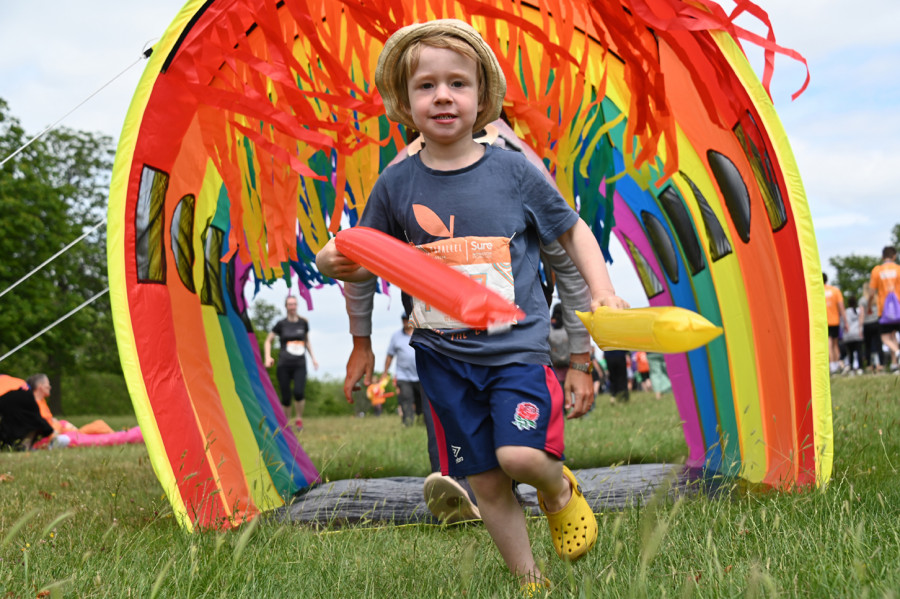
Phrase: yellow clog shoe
{"type": "Point", "coordinates": [573, 528]}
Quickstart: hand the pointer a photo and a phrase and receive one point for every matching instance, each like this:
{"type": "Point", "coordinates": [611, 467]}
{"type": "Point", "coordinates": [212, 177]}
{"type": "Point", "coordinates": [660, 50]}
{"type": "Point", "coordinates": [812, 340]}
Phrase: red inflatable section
{"type": "Point", "coordinates": [427, 279]}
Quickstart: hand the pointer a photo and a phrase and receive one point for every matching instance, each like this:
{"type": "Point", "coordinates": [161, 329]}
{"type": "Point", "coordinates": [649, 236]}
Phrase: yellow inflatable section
{"type": "Point", "coordinates": [663, 329]}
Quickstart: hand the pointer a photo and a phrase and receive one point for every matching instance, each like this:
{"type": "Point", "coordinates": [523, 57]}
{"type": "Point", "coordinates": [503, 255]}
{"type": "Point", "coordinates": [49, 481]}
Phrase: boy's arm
{"type": "Point", "coordinates": [582, 248]}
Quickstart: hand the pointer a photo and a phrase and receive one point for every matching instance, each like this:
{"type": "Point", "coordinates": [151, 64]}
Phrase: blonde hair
{"type": "Point", "coordinates": [409, 62]}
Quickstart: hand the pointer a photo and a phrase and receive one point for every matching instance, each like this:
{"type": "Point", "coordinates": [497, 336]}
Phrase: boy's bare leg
{"type": "Point", "coordinates": [537, 468]}
{"type": "Point", "coordinates": [505, 521]}
{"type": "Point", "coordinates": [501, 512]}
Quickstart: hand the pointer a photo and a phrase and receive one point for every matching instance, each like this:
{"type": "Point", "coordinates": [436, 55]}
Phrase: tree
{"type": "Point", "coordinates": [263, 315]}
{"type": "Point", "coordinates": [853, 272]}
{"type": "Point", "coordinates": [51, 193]}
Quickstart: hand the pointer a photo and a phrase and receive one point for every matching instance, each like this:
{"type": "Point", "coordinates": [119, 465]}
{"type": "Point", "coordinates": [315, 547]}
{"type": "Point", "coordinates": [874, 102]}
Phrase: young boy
{"type": "Point", "coordinates": [498, 405]}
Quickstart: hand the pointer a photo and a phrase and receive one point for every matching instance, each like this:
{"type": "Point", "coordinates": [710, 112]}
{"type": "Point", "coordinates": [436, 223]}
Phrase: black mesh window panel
{"type": "Point", "coordinates": [649, 280]}
{"type": "Point", "coordinates": [211, 291]}
{"type": "Point", "coordinates": [719, 246]}
{"type": "Point", "coordinates": [761, 165]}
{"type": "Point", "coordinates": [662, 245]}
{"type": "Point", "coordinates": [734, 190]}
{"type": "Point", "coordinates": [182, 234]}
{"type": "Point", "coordinates": [150, 251]}
{"type": "Point", "coordinates": [684, 229]}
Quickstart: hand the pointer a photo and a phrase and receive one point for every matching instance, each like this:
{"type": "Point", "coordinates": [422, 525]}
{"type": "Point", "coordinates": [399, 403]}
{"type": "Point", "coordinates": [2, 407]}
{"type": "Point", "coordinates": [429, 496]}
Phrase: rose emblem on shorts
{"type": "Point", "coordinates": [526, 417]}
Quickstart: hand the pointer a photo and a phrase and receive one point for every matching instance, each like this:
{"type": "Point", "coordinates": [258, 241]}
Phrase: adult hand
{"type": "Point", "coordinates": [360, 365]}
{"type": "Point", "coordinates": [269, 362]}
{"type": "Point", "coordinates": [579, 393]}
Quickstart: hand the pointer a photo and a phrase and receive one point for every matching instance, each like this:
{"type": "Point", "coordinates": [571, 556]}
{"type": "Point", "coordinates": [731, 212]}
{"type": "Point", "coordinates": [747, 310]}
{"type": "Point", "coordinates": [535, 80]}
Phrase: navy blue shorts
{"type": "Point", "coordinates": [480, 408]}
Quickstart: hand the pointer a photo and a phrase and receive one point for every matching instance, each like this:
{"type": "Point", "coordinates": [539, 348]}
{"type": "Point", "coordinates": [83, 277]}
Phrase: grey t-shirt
{"type": "Point", "coordinates": [499, 197]}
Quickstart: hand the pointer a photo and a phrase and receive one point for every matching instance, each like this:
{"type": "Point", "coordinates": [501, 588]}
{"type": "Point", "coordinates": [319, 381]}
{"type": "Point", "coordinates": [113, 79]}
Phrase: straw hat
{"type": "Point", "coordinates": [388, 75]}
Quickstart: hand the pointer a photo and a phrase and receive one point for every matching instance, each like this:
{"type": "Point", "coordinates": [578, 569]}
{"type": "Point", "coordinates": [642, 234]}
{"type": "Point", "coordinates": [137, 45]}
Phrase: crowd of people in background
{"type": "Point", "coordinates": [864, 325]}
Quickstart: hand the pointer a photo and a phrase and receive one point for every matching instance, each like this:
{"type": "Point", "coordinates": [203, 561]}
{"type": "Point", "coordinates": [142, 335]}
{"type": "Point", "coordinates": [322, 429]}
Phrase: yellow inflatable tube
{"type": "Point", "coordinates": [662, 329]}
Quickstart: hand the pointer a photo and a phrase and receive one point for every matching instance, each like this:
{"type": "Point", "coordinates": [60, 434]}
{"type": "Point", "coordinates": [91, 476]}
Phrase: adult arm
{"type": "Point", "coordinates": [582, 248]}
{"type": "Point", "coordinates": [842, 312]}
{"type": "Point", "coordinates": [359, 300]}
{"type": "Point", "coordinates": [310, 352]}
{"type": "Point", "coordinates": [872, 290]}
{"type": "Point", "coordinates": [578, 388]}
{"type": "Point", "coordinates": [267, 350]}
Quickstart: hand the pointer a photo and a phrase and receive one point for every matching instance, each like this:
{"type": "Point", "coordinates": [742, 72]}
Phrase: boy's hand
{"type": "Point", "coordinates": [610, 301]}
{"type": "Point", "coordinates": [360, 365]}
{"type": "Point", "coordinates": [334, 264]}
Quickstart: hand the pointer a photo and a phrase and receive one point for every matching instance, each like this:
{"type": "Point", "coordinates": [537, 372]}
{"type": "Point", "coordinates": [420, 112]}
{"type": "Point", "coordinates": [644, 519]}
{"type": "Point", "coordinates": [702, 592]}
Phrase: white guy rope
{"type": "Point", "coordinates": [52, 258]}
{"type": "Point", "coordinates": [56, 123]}
{"type": "Point", "coordinates": [33, 337]}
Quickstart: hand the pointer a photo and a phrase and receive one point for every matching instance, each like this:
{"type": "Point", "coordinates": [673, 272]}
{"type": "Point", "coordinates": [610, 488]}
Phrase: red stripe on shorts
{"type": "Point", "coordinates": [555, 442]}
{"type": "Point", "coordinates": [441, 441]}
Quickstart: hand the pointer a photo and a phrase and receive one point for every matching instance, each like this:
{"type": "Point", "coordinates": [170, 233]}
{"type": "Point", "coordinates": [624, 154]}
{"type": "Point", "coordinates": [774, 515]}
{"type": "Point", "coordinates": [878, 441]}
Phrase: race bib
{"type": "Point", "coordinates": [296, 348]}
{"type": "Point", "coordinates": [485, 259]}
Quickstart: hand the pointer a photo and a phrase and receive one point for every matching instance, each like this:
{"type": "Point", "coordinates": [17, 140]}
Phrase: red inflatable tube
{"type": "Point", "coordinates": [427, 279]}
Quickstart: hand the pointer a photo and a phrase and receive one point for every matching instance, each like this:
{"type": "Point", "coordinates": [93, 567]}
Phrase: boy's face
{"type": "Point", "coordinates": [443, 96]}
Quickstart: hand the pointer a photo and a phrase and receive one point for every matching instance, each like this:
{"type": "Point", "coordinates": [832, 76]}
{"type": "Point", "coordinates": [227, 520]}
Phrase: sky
{"type": "Point", "coordinates": [844, 130]}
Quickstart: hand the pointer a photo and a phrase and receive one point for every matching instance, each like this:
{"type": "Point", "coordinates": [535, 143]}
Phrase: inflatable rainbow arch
{"type": "Point", "coordinates": [256, 129]}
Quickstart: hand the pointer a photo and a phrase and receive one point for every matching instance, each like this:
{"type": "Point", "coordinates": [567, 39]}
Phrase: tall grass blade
{"type": "Point", "coordinates": [20, 523]}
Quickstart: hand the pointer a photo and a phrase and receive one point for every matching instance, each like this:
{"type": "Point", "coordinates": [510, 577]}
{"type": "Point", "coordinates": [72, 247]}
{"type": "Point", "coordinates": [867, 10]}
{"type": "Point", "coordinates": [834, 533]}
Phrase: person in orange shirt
{"type": "Point", "coordinates": [834, 308]}
{"type": "Point", "coordinates": [40, 386]}
{"type": "Point", "coordinates": [886, 279]}
{"type": "Point", "coordinates": [643, 370]}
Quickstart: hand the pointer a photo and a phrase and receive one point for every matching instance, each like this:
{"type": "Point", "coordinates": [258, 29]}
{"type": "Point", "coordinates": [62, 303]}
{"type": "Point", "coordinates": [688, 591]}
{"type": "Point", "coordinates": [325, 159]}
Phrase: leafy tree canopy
{"type": "Point", "coordinates": [51, 193]}
{"type": "Point", "coordinates": [853, 272]}
{"type": "Point", "coordinates": [264, 315]}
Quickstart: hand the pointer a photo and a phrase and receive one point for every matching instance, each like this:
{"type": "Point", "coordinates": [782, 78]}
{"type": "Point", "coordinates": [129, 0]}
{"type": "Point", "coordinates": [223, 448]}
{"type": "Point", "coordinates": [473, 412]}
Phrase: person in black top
{"type": "Point", "coordinates": [293, 337]}
{"type": "Point", "coordinates": [21, 423]}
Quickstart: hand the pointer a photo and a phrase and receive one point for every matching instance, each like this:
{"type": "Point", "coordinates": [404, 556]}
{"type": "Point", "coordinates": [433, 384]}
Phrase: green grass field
{"type": "Point", "coordinates": [93, 522]}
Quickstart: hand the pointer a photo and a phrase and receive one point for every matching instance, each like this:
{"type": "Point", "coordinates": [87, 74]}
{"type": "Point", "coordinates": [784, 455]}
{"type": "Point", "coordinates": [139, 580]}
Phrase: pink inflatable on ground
{"type": "Point", "coordinates": [132, 435]}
